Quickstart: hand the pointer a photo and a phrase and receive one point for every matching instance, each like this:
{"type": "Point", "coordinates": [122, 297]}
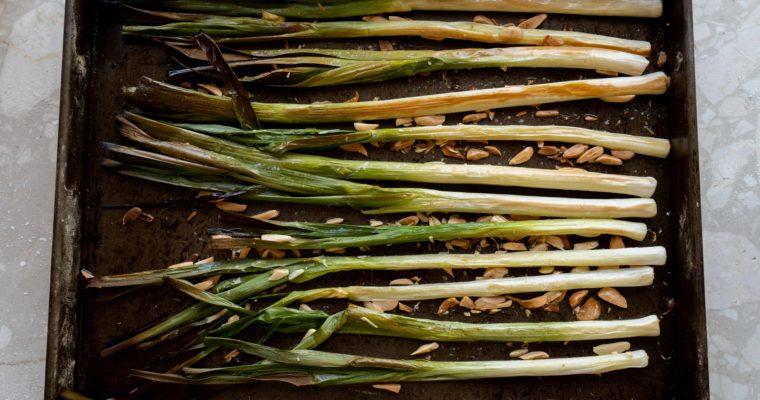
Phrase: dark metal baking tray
{"type": "Point", "coordinates": [98, 62]}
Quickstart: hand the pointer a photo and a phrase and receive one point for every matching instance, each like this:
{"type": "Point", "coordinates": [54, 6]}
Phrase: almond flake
{"type": "Point", "coordinates": [334, 221]}
{"type": "Point", "coordinates": [278, 273]}
{"type": "Point", "coordinates": [616, 242]}
{"type": "Point", "coordinates": [385, 45]}
{"type": "Point", "coordinates": [618, 99]}
{"type": "Point", "coordinates": [624, 155]}
{"type": "Point", "coordinates": [607, 72]}
{"type": "Point", "coordinates": [383, 305]}
{"type": "Point", "coordinates": [590, 245]}
{"type": "Point", "coordinates": [231, 355]}
{"type": "Point", "coordinates": [374, 222]}
{"type": "Point", "coordinates": [372, 306]}
{"type": "Point", "coordinates": [548, 150]}
{"type": "Point", "coordinates": [492, 150]}
{"type": "Point", "coordinates": [545, 270]}
{"type": "Point", "coordinates": [532, 22]}
{"type": "Point", "coordinates": [373, 18]}
{"type": "Point", "coordinates": [612, 348]}
{"type": "Point", "coordinates": [402, 144]}
{"type": "Point", "coordinates": [482, 19]}
{"type": "Point", "coordinates": [534, 355]}
{"type": "Point", "coordinates": [430, 120]}
{"type": "Point", "coordinates": [577, 297]}
{"type": "Point", "coordinates": [547, 113]}
{"type": "Point", "coordinates": [589, 311]}
{"type": "Point", "coordinates": [271, 17]}
{"type": "Point", "coordinates": [612, 296]}
{"type": "Point", "coordinates": [231, 207]}
{"type": "Point", "coordinates": [131, 215]}
{"type": "Point", "coordinates": [410, 220]}
{"type": "Point", "coordinates": [489, 302]}
{"type": "Point", "coordinates": [304, 307]}
{"type": "Point", "coordinates": [519, 352]}
{"type": "Point", "coordinates": [552, 41]}
{"type": "Point", "coordinates": [575, 151]}
{"type": "Point", "coordinates": [180, 265]}
{"type": "Point", "coordinates": [388, 387]}
{"type": "Point", "coordinates": [662, 58]}
{"type": "Point", "coordinates": [495, 273]}
{"type": "Point", "coordinates": [456, 220]}
{"type": "Point", "coordinates": [474, 117]}
{"type": "Point", "coordinates": [401, 282]}
{"type": "Point", "coordinates": [590, 118]}
{"type": "Point", "coordinates": [295, 274]}
{"type": "Point", "coordinates": [555, 241]}
{"type": "Point", "coordinates": [514, 246]}
{"type": "Point", "coordinates": [539, 247]}
{"type": "Point", "coordinates": [192, 215]}
{"type": "Point", "coordinates": [510, 33]}
{"type": "Point", "coordinates": [425, 348]}
{"type": "Point", "coordinates": [447, 304]}
{"type": "Point", "coordinates": [522, 157]}
{"type": "Point", "coordinates": [267, 215]}
{"type": "Point", "coordinates": [608, 160]}
{"type": "Point", "coordinates": [404, 121]}
{"type": "Point", "coordinates": [211, 88]}
{"type": "Point", "coordinates": [277, 238]}
{"type": "Point", "coordinates": [590, 154]}
{"type": "Point", "coordinates": [405, 308]}
{"type": "Point", "coordinates": [474, 154]}
{"type": "Point", "coordinates": [208, 283]}
{"type": "Point", "coordinates": [355, 148]}
{"type": "Point", "coordinates": [361, 126]}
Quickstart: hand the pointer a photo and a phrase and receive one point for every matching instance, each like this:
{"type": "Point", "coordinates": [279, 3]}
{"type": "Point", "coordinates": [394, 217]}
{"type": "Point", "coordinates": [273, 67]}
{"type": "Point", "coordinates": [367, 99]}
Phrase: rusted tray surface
{"type": "Point", "coordinates": [98, 63]}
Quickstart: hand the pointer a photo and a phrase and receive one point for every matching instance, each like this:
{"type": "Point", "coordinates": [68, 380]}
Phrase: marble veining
{"type": "Point", "coordinates": [728, 76]}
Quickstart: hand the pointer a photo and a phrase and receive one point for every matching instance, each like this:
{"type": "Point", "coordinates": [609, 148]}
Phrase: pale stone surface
{"type": "Point", "coordinates": [728, 75]}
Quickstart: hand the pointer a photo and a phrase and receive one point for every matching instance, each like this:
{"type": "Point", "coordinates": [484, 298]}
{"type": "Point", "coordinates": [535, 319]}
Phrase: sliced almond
{"type": "Point", "coordinates": [589, 311]}
{"type": "Point", "coordinates": [208, 283]}
{"type": "Point", "coordinates": [534, 355]}
{"type": "Point", "coordinates": [374, 18]}
{"type": "Point", "coordinates": [401, 282]}
{"type": "Point", "coordinates": [385, 45]}
{"type": "Point", "coordinates": [271, 17]}
{"type": "Point", "coordinates": [538, 301]}
{"type": "Point", "coordinates": [404, 121]}
{"type": "Point", "coordinates": [374, 222]}
{"type": "Point", "coordinates": [474, 117]}
{"type": "Point", "coordinates": [180, 265]}
{"type": "Point", "coordinates": [575, 151]}
{"type": "Point", "coordinates": [295, 274]}
{"type": "Point", "coordinates": [555, 241]}
{"type": "Point", "coordinates": [355, 148]}
{"type": "Point", "coordinates": [383, 305]}
{"type": "Point", "coordinates": [278, 273]}
{"type": "Point", "coordinates": [267, 215]}
{"type": "Point", "coordinates": [514, 246]}
{"type": "Point", "coordinates": [580, 269]}
{"type": "Point", "coordinates": [131, 215]}
{"type": "Point", "coordinates": [467, 302]}
{"type": "Point", "coordinates": [277, 238]}
{"type": "Point", "coordinates": [547, 113]}
{"type": "Point", "coordinates": [448, 271]}
{"type": "Point", "coordinates": [590, 118]}
{"type": "Point", "coordinates": [211, 88]}
{"type": "Point", "coordinates": [492, 150]}
{"type": "Point", "coordinates": [304, 307]}
{"type": "Point", "coordinates": [539, 247]}
{"type": "Point", "coordinates": [192, 215]}
{"type": "Point", "coordinates": [484, 218]}
{"type": "Point", "coordinates": [489, 302]}
{"type": "Point", "coordinates": [361, 126]}
{"type": "Point", "coordinates": [410, 220]}
{"type": "Point", "coordinates": [607, 72]}
{"type": "Point", "coordinates": [425, 348]}
{"type": "Point", "coordinates": [474, 154]}
{"type": "Point", "coordinates": [482, 19]}
{"type": "Point", "coordinates": [430, 120]}
{"type": "Point", "coordinates": [456, 220]}
{"type": "Point", "coordinates": [662, 58]}
{"type": "Point", "coordinates": [231, 207]}
{"type": "Point", "coordinates": [590, 154]}
{"type": "Point", "coordinates": [522, 157]}
{"type": "Point", "coordinates": [447, 304]}
{"type": "Point", "coordinates": [612, 296]}
{"type": "Point", "coordinates": [577, 297]}
{"type": "Point", "coordinates": [495, 273]}
{"type": "Point", "coordinates": [616, 242]}
{"type": "Point", "coordinates": [433, 220]}
{"type": "Point", "coordinates": [372, 306]}
{"type": "Point", "coordinates": [624, 155]}
{"type": "Point", "coordinates": [533, 22]}
{"type": "Point", "coordinates": [510, 33]}
{"type": "Point", "coordinates": [552, 41]}
{"type": "Point", "coordinates": [521, 113]}
{"type": "Point", "coordinates": [612, 348]}
{"type": "Point", "coordinates": [608, 160]}
{"type": "Point", "coordinates": [388, 387]}
{"type": "Point", "coordinates": [548, 150]}
{"type": "Point", "coordinates": [231, 355]}
{"type": "Point", "coordinates": [334, 221]}
{"type": "Point", "coordinates": [519, 352]}
{"type": "Point", "coordinates": [498, 218]}
{"type": "Point", "coordinates": [337, 250]}
{"type": "Point", "coordinates": [146, 217]}
{"type": "Point", "coordinates": [405, 308]}
{"type": "Point", "coordinates": [590, 245]}
{"type": "Point", "coordinates": [618, 99]}
{"type": "Point", "coordinates": [545, 270]}
{"type": "Point", "coordinates": [205, 260]}
{"type": "Point", "coordinates": [402, 144]}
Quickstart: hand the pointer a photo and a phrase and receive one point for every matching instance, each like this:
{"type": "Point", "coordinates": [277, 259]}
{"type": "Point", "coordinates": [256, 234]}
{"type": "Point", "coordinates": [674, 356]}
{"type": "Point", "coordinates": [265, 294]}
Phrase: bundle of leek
{"type": "Point", "coordinates": [319, 67]}
{"type": "Point", "coordinates": [199, 106]}
{"type": "Point", "coordinates": [346, 8]}
{"type": "Point", "coordinates": [236, 30]}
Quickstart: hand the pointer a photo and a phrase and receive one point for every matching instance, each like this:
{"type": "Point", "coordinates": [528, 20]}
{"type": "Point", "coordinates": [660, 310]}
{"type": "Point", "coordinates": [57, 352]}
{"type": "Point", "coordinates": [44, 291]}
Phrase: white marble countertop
{"type": "Point", "coordinates": [728, 75]}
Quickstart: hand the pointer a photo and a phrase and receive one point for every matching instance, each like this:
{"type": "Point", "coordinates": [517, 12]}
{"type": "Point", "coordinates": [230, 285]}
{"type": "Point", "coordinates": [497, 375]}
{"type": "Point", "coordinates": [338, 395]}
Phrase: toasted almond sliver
{"type": "Point", "coordinates": [447, 304]}
{"type": "Point", "coordinates": [616, 242]}
{"type": "Point", "coordinates": [618, 99]}
{"type": "Point", "coordinates": [522, 157]}
{"type": "Point", "coordinates": [510, 33]}
{"type": "Point", "coordinates": [482, 19]}
{"type": "Point", "coordinates": [404, 121]}
{"type": "Point", "coordinates": [580, 269]}
{"type": "Point", "coordinates": [467, 302]}
{"type": "Point", "coordinates": [277, 238]}
{"type": "Point", "coordinates": [534, 355]}
{"type": "Point", "coordinates": [484, 218]}
{"type": "Point", "coordinates": [474, 154]}
{"type": "Point", "coordinates": [180, 265]}
{"type": "Point", "coordinates": [374, 222]}
{"type": "Point", "coordinates": [402, 144]}
{"type": "Point", "coordinates": [410, 220]}
{"type": "Point", "coordinates": [456, 220]}
{"type": "Point", "coordinates": [372, 306]}
{"type": "Point", "coordinates": [489, 302]}
{"type": "Point", "coordinates": [612, 296]}
{"type": "Point", "coordinates": [474, 117]}
{"type": "Point", "coordinates": [384, 305]}
{"type": "Point", "coordinates": [405, 308]}
{"type": "Point", "coordinates": [547, 113]}
{"type": "Point", "coordinates": [131, 215]}
{"type": "Point", "coordinates": [539, 247]}
{"type": "Point", "coordinates": [271, 17]}
{"type": "Point", "coordinates": [514, 246]}
{"type": "Point", "coordinates": [519, 352]}
{"type": "Point", "coordinates": [304, 307]}
{"type": "Point", "coordinates": [495, 273]}
{"type": "Point", "coordinates": [608, 160]}
{"type": "Point", "coordinates": [425, 348]}
{"type": "Point", "coordinates": [388, 387]}
{"type": "Point", "coordinates": [589, 311]}
{"type": "Point", "coordinates": [267, 215]}
{"type": "Point", "coordinates": [231, 207]}
{"type": "Point", "coordinates": [548, 150]}
{"type": "Point", "coordinates": [373, 18]}
{"type": "Point", "coordinates": [590, 245]}
{"type": "Point", "coordinates": [533, 22]}
{"type": "Point", "coordinates": [545, 270]}
{"type": "Point", "coordinates": [624, 155]}
{"type": "Point", "coordinates": [590, 154]}
{"type": "Point", "coordinates": [452, 152]}
{"type": "Point", "coordinates": [205, 260]}
{"type": "Point", "coordinates": [231, 355]}
{"type": "Point", "coordinates": [612, 348]}
{"type": "Point", "coordinates": [385, 45]}
{"type": "Point", "coordinates": [607, 72]}
{"type": "Point", "coordinates": [492, 150]}
{"type": "Point", "coordinates": [552, 41]}
{"type": "Point", "coordinates": [591, 118]}
{"type": "Point", "coordinates": [334, 221]}
{"type": "Point", "coordinates": [575, 151]}
{"type": "Point", "coordinates": [295, 274]}
{"type": "Point", "coordinates": [355, 148]}
{"type": "Point", "coordinates": [555, 241]}
{"type": "Point", "coordinates": [577, 297]}
{"type": "Point", "coordinates": [430, 120]}
{"type": "Point", "coordinates": [192, 215]}
{"type": "Point", "coordinates": [401, 282]}
{"type": "Point", "coordinates": [211, 88]}
{"type": "Point", "coordinates": [463, 244]}
{"type": "Point", "coordinates": [208, 283]}
{"type": "Point", "coordinates": [361, 126]}
{"type": "Point", "coordinates": [662, 58]}
{"type": "Point", "coordinates": [278, 273]}
{"type": "Point", "coordinates": [499, 218]}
